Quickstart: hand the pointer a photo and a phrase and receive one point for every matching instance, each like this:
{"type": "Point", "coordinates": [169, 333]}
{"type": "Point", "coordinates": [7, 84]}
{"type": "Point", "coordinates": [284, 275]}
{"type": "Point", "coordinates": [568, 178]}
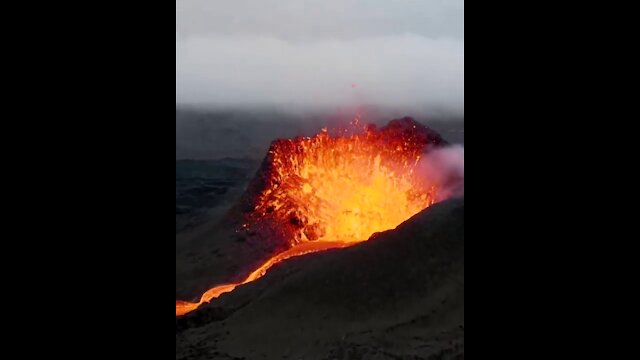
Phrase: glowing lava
{"type": "Point", "coordinates": [183, 307]}
{"type": "Point", "coordinates": [333, 191]}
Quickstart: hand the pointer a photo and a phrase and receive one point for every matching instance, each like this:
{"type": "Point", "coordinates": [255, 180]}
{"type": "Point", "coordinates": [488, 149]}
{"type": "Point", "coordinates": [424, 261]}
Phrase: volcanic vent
{"type": "Point", "coordinates": [333, 190]}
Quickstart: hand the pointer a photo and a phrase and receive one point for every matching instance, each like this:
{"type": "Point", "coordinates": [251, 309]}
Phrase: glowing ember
{"type": "Point", "coordinates": [330, 191]}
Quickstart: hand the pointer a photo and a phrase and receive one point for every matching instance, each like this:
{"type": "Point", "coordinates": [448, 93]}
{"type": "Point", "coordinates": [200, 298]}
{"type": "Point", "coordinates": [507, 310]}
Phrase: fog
{"type": "Point", "coordinates": [321, 54]}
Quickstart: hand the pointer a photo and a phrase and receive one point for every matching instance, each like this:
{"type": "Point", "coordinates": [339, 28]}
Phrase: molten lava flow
{"type": "Point", "coordinates": [343, 188]}
{"type": "Point", "coordinates": [183, 307]}
{"type": "Point", "coordinates": [327, 191]}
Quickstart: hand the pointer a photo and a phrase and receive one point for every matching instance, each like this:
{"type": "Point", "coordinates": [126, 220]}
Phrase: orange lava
{"type": "Point", "coordinates": [183, 307]}
{"type": "Point", "coordinates": [333, 191]}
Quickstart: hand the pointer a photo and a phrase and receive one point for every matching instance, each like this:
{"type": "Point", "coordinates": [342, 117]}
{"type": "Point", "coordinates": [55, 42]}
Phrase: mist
{"type": "Point", "coordinates": [444, 167]}
{"type": "Point", "coordinates": [317, 55]}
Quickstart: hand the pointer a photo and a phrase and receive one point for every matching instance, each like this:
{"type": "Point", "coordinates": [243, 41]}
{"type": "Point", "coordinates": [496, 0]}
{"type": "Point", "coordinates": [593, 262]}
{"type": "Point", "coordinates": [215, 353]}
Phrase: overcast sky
{"type": "Point", "coordinates": [320, 53]}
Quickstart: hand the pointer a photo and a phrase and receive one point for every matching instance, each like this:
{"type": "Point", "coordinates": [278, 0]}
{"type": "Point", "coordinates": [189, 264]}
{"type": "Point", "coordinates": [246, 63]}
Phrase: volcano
{"type": "Point", "coordinates": [331, 190]}
{"type": "Point", "coordinates": [341, 187]}
{"type": "Point", "coordinates": [399, 295]}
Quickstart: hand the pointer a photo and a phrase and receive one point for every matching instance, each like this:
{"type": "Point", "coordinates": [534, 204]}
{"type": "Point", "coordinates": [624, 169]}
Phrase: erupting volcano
{"type": "Point", "coordinates": [334, 190]}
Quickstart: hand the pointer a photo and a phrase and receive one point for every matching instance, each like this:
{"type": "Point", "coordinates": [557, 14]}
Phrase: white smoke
{"type": "Point", "coordinates": [444, 168]}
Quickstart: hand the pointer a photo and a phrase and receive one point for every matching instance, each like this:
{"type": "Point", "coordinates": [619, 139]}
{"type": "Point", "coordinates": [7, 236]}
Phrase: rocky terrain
{"type": "Point", "coordinates": [207, 187]}
{"type": "Point", "coordinates": [398, 296]}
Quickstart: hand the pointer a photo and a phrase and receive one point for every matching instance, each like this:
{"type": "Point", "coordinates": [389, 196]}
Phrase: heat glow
{"type": "Point", "coordinates": [333, 191]}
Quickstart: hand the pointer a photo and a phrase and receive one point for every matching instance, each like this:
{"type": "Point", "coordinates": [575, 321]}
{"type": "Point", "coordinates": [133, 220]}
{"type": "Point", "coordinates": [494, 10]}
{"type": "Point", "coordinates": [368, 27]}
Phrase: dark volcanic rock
{"type": "Point", "coordinates": [398, 295]}
{"type": "Point", "coordinates": [412, 129]}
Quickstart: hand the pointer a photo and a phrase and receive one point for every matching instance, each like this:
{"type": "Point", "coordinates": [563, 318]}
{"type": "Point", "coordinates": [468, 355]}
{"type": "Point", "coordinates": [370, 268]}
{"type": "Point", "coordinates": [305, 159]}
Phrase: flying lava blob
{"type": "Point", "coordinates": [335, 190]}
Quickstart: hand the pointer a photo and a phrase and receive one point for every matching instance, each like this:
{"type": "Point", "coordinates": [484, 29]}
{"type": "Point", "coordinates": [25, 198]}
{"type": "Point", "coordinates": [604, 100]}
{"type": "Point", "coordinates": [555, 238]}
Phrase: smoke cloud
{"type": "Point", "coordinates": [444, 167]}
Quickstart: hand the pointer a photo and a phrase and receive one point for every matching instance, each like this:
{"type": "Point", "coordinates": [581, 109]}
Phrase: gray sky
{"type": "Point", "coordinates": [321, 53]}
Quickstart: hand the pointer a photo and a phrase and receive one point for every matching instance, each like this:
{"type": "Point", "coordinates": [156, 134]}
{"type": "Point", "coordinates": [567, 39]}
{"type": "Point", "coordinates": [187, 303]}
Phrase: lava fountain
{"type": "Point", "coordinates": [335, 190]}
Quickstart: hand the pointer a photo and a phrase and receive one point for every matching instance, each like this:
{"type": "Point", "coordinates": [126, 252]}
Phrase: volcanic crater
{"type": "Point", "coordinates": [334, 190]}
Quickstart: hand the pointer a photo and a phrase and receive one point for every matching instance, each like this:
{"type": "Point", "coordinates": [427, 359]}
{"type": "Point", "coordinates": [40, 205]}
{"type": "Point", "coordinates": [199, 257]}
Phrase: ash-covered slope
{"type": "Point", "coordinates": [399, 295]}
{"type": "Point", "coordinates": [226, 252]}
